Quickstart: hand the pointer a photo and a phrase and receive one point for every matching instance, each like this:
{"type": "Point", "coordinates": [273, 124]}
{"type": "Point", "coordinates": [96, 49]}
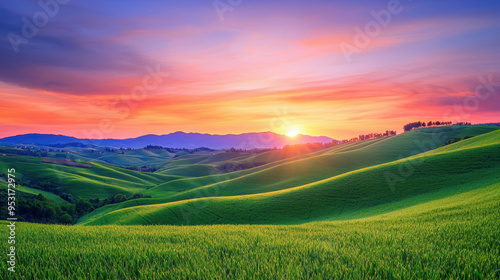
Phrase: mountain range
{"type": "Point", "coordinates": [175, 140]}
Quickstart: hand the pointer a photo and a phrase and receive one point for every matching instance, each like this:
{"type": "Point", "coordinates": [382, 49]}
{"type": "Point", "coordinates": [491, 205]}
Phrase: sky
{"type": "Point", "coordinates": [121, 69]}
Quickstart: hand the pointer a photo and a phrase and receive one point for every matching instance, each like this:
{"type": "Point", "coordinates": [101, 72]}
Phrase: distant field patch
{"type": "Point", "coordinates": [67, 162]}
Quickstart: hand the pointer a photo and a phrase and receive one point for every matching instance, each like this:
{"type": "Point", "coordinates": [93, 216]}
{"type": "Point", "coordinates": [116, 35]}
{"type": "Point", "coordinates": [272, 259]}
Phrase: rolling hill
{"type": "Point", "coordinates": [353, 188]}
{"type": "Point", "coordinates": [451, 233]}
{"type": "Point", "coordinates": [100, 181]}
{"type": "Point", "coordinates": [421, 210]}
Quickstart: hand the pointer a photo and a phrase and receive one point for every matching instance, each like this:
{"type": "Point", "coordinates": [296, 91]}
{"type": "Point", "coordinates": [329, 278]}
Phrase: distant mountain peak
{"type": "Point", "coordinates": [178, 139]}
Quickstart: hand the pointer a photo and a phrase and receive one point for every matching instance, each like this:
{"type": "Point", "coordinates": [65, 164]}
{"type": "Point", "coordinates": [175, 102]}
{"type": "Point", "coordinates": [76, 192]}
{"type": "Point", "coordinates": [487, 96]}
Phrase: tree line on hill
{"type": "Point", "coordinates": [363, 137]}
{"type": "Point", "coordinates": [377, 135]}
{"type": "Point", "coordinates": [144, 168]}
{"type": "Point", "coordinates": [419, 124]}
{"type": "Point", "coordinates": [39, 209]}
{"type": "Point", "coordinates": [23, 152]}
{"type": "Point", "coordinates": [249, 151]}
{"type": "Point", "coordinates": [175, 150]}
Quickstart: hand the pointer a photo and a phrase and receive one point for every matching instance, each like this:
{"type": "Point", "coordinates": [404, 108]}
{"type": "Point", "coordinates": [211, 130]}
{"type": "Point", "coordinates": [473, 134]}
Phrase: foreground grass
{"type": "Point", "coordinates": [451, 238]}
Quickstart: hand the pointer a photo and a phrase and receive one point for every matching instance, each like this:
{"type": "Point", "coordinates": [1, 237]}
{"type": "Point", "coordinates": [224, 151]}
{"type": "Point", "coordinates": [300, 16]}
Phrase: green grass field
{"type": "Point", "coordinates": [190, 170]}
{"type": "Point", "coordinates": [403, 207]}
{"type": "Point", "coordinates": [450, 238]}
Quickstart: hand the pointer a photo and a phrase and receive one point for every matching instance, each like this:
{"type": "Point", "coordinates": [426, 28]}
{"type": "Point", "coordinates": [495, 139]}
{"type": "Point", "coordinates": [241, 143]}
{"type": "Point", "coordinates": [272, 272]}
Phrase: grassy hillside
{"type": "Point", "coordinates": [316, 166]}
{"type": "Point", "coordinates": [276, 175]}
{"type": "Point", "coordinates": [451, 238]}
{"type": "Point", "coordinates": [420, 210]}
{"type": "Point", "coordinates": [190, 170]}
{"type": "Point", "coordinates": [173, 190]}
{"type": "Point", "coordinates": [26, 190]}
{"type": "Point", "coordinates": [311, 168]}
{"type": "Point", "coordinates": [460, 165]}
{"type": "Point", "coordinates": [123, 158]}
{"type": "Point", "coordinates": [102, 180]}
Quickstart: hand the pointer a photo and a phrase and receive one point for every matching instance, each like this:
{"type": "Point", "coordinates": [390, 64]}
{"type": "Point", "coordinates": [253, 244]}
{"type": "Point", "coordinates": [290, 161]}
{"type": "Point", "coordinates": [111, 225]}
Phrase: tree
{"type": "Point", "coordinates": [137, 195]}
{"type": "Point", "coordinates": [69, 208]}
{"type": "Point", "coordinates": [120, 198]}
{"type": "Point", "coordinates": [66, 219]}
{"type": "Point", "coordinates": [50, 213]}
{"type": "Point", "coordinates": [83, 206]}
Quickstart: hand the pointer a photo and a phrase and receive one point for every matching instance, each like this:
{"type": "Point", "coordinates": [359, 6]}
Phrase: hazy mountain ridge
{"type": "Point", "coordinates": [176, 140]}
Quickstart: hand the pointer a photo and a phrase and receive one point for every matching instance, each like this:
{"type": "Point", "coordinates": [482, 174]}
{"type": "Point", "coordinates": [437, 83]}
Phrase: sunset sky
{"type": "Point", "coordinates": [276, 66]}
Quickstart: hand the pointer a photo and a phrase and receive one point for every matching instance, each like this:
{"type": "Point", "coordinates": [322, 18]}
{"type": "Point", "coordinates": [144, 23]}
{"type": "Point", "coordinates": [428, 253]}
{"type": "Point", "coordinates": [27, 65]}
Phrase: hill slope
{"type": "Point", "coordinates": [100, 181]}
{"type": "Point", "coordinates": [454, 237]}
{"type": "Point", "coordinates": [468, 164]}
{"type": "Point", "coordinates": [327, 163]}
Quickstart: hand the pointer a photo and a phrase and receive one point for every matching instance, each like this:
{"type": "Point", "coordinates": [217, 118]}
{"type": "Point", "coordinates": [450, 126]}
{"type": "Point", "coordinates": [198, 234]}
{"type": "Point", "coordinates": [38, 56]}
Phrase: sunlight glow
{"type": "Point", "coordinates": [292, 133]}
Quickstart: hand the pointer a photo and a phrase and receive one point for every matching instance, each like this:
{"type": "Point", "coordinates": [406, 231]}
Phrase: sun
{"type": "Point", "coordinates": [292, 133]}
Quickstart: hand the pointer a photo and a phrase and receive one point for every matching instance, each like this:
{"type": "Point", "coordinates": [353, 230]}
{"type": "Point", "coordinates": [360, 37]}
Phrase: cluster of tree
{"type": "Point", "coordinates": [72, 144]}
{"type": "Point", "coordinates": [363, 137]}
{"type": "Point", "coordinates": [175, 150]}
{"type": "Point", "coordinates": [23, 152]}
{"type": "Point", "coordinates": [96, 202]}
{"type": "Point", "coordinates": [249, 151]}
{"type": "Point", "coordinates": [377, 135]}
{"type": "Point", "coordinates": [155, 147]}
{"type": "Point", "coordinates": [39, 209]}
{"type": "Point", "coordinates": [332, 144]}
{"type": "Point", "coordinates": [463, 123]}
{"type": "Point", "coordinates": [144, 168]}
{"type": "Point", "coordinates": [419, 124]}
